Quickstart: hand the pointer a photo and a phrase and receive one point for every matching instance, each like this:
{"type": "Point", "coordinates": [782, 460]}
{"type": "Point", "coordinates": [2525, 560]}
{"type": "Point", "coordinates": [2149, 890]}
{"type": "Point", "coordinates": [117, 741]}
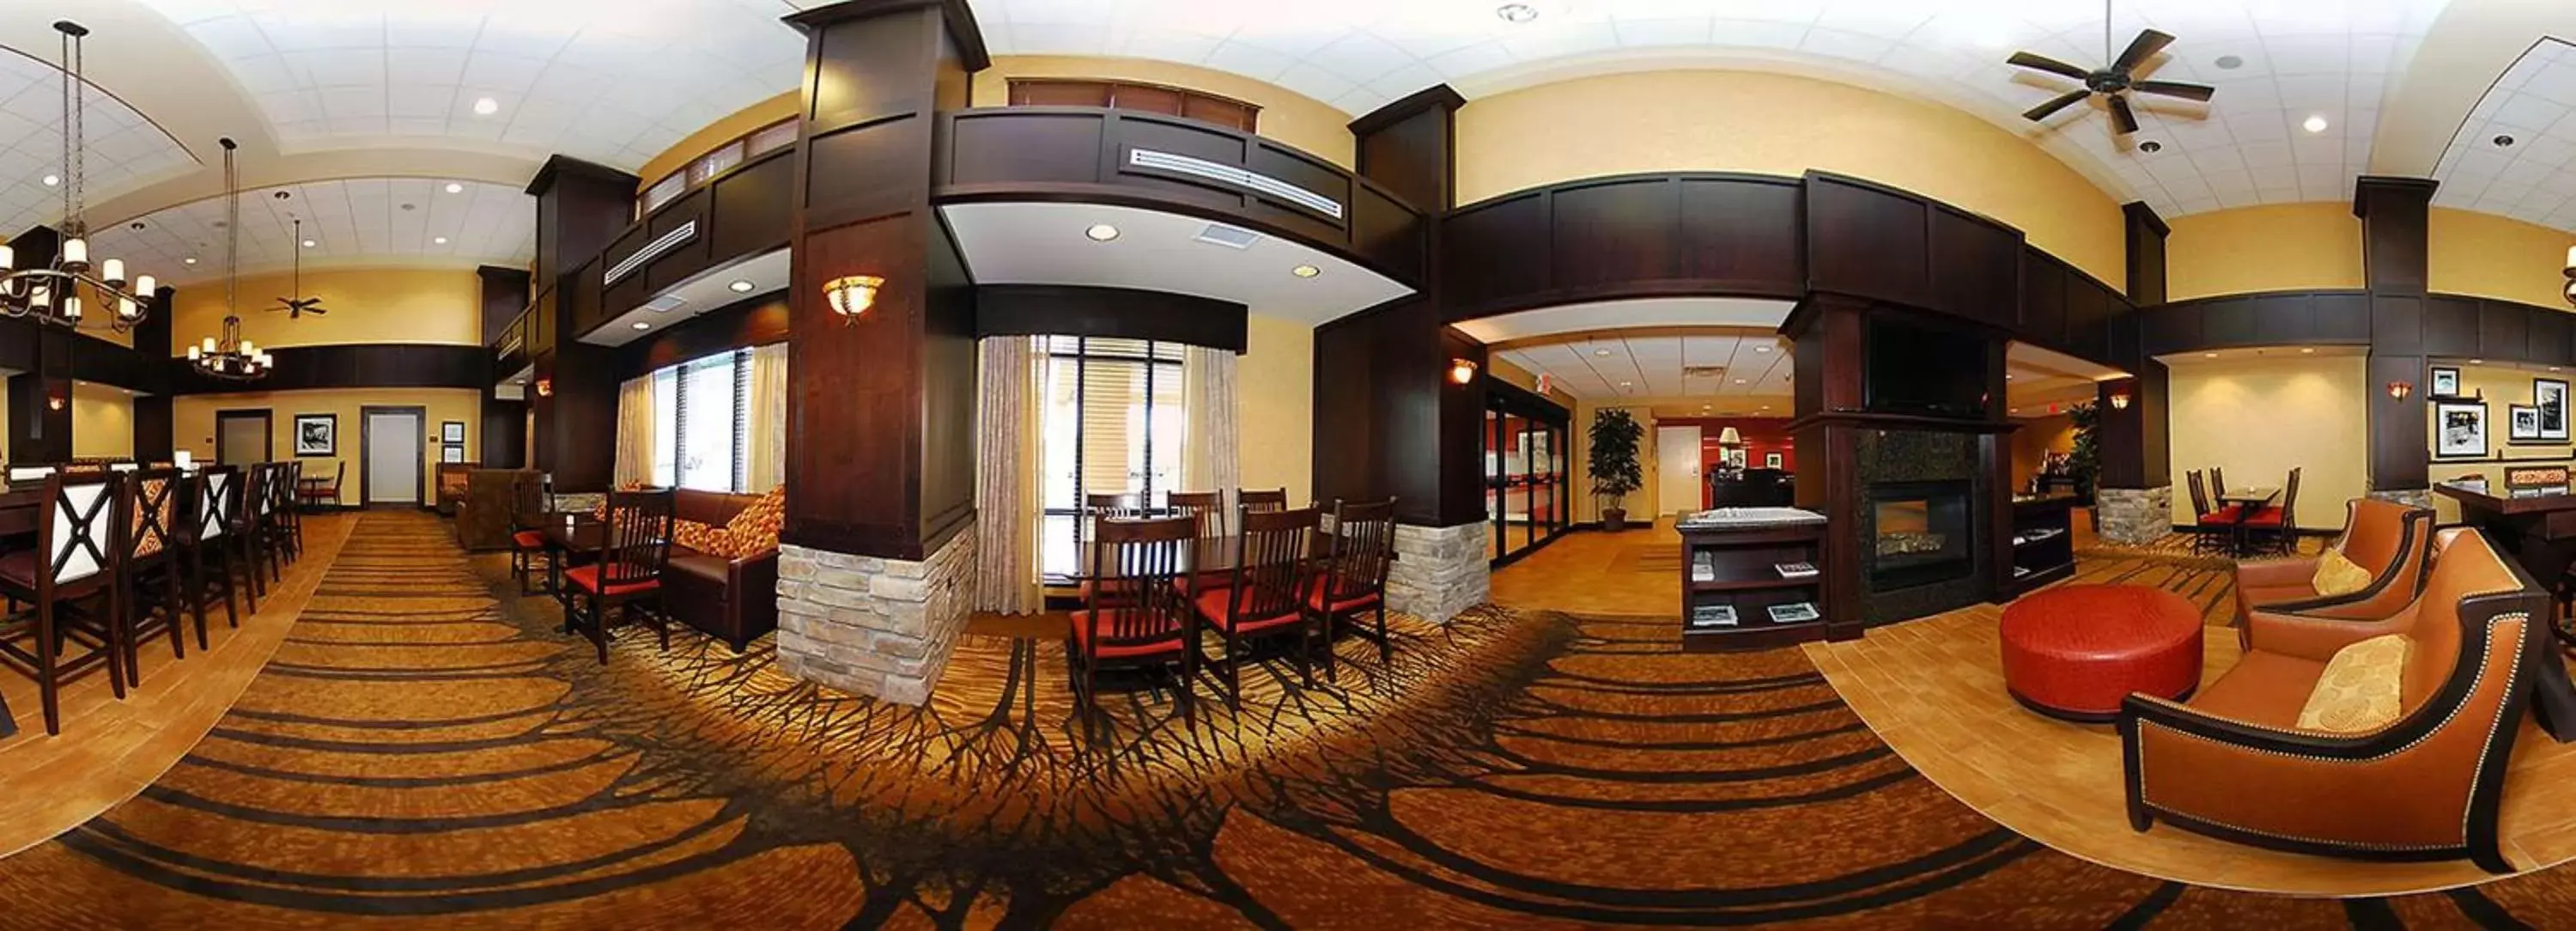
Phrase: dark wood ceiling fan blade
{"type": "Point", "coordinates": [2199, 92]}
{"type": "Point", "coordinates": [2121, 116]}
{"type": "Point", "coordinates": [2045, 63]}
{"type": "Point", "coordinates": [2054, 104]}
{"type": "Point", "coordinates": [2144, 47]}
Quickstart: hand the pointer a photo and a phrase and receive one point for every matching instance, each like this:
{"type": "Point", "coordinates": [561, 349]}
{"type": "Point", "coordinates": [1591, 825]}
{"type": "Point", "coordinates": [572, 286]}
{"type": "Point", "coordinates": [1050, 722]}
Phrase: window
{"type": "Point", "coordinates": [1126, 95]}
{"type": "Point", "coordinates": [1113, 422]}
{"type": "Point", "coordinates": [698, 423]}
{"type": "Point", "coordinates": [716, 161]}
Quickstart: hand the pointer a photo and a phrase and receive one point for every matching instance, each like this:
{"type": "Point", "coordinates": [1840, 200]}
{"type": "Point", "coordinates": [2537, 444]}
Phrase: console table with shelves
{"type": "Point", "coordinates": [1743, 573]}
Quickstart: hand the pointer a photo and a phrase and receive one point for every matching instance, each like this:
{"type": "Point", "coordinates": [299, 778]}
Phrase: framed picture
{"type": "Point", "coordinates": [2550, 396]}
{"type": "Point", "coordinates": [2446, 382]}
{"type": "Point", "coordinates": [1770, 460]}
{"type": "Point", "coordinates": [2459, 430]}
{"type": "Point", "coordinates": [452, 432]}
{"type": "Point", "coordinates": [317, 434]}
{"type": "Point", "coordinates": [451, 453]}
{"type": "Point", "coordinates": [2521, 423]}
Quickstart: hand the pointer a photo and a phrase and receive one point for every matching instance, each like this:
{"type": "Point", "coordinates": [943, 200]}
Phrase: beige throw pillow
{"type": "Point", "coordinates": [2337, 575]}
{"type": "Point", "coordinates": [2359, 689]}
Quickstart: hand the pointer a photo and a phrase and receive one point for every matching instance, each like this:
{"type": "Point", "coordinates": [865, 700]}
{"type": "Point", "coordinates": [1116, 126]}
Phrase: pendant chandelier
{"type": "Point", "coordinates": [53, 293]}
{"type": "Point", "coordinates": [228, 356]}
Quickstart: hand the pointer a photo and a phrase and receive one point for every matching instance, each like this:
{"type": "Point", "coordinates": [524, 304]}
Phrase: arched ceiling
{"type": "Point", "coordinates": [349, 221]}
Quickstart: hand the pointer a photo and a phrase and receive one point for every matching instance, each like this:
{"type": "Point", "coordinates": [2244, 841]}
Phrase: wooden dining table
{"type": "Point", "coordinates": [2247, 501]}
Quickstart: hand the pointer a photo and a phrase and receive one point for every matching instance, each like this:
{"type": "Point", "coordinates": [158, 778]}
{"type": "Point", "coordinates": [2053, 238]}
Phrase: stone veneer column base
{"type": "Point", "coordinates": [2134, 515]}
{"type": "Point", "coordinates": [868, 626]}
{"type": "Point", "coordinates": [2418, 497]}
{"type": "Point", "coordinates": [1440, 571]}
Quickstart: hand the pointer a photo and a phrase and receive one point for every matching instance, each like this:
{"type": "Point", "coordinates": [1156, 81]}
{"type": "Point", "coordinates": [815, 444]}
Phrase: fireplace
{"type": "Point", "coordinates": [1919, 533]}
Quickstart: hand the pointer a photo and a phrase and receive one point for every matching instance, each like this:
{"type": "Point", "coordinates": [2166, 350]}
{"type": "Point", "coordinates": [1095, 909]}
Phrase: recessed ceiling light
{"type": "Point", "coordinates": [1739, 381]}
{"type": "Point", "coordinates": [191, 260]}
{"type": "Point", "coordinates": [641, 325]}
{"type": "Point", "coordinates": [1626, 383]}
{"type": "Point", "coordinates": [283, 195]}
{"type": "Point", "coordinates": [1101, 232]}
{"type": "Point", "coordinates": [455, 188]}
{"type": "Point", "coordinates": [741, 286]}
{"type": "Point", "coordinates": [2151, 147]}
{"type": "Point", "coordinates": [440, 240]}
{"type": "Point", "coordinates": [1516, 12]}
{"type": "Point", "coordinates": [1305, 271]}
{"type": "Point", "coordinates": [2209, 355]}
{"type": "Point", "coordinates": [407, 206]}
{"type": "Point", "coordinates": [2307, 350]}
{"type": "Point", "coordinates": [2315, 123]}
{"type": "Point", "coordinates": [2503, 141]}
{"type": "Point", "coordinates": [486, 106]}
{"type": "Point", "coordinates": [1600, 352]}
{"type": "Point", "coordinates": [1761, 349]}
{"type": "Point", "coordinates": [136, 225]}
{"type": "Point", "coordinates": [2477, 361]}
{"type": "Point", "coordinates": [51, 180]}
{"type": "Point", "coordinates": [310, 244]}
{"type": "Point", "coordinates": [2229, 62]}
{"type": "Point", "coordinates": [2007, 376]}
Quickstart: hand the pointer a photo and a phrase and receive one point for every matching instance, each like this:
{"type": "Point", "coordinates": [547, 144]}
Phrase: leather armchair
{"type": "Point", "coordinates": [2393, 541]}
{"type": "Point", "coordinates": [2234, 764]}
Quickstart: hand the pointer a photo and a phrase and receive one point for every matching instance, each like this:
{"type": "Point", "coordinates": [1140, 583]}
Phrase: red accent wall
{"type": "Point", "coordinates": [1760, 434]}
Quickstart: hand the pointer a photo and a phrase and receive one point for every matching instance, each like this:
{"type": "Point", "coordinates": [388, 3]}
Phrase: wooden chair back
{"type": "Point", "coordinates": [79, 531]}
{"type": "Point", "coordinates": [1146, 555]}
{"type": "Point", "coordinates": [1206, 507]}
{"type": "Point", "coordinates": [1274, 560]}
{"type": "Point", "coordinates": [2199, 497]}
{"type": "Point", "coordinates": [1363, 548]}
{"type": "Point", "coordinates": [151, 501]}
{"type": "Point", "coordinates": [1272, 499]}
{"type": "Point", "coordinates": [2290, 502]}
{"type": "Point", "coordinates": [636, 543]}
{"type": "Point", "coordinates": [2218, 482]}
{"type": "Point", "coordinates": [218, 490]}
{"type": "Point", "coordinates": [256, 494]}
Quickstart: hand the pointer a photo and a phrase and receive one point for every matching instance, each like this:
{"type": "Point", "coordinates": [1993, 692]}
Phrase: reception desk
{"type": "Point", "coordinates": [2536, 527]}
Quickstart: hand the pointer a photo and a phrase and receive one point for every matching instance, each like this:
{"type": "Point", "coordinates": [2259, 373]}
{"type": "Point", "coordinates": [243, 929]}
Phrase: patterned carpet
{"type": "Point", "coordinates": [423, 752]}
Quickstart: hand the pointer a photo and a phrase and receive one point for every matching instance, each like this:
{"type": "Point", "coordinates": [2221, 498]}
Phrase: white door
{"type": "Point", "coordinates": [393, 458]}
{"type": "Point", "coordinates": [1677, 466]}
{"type": "Point", "coordinates": [244, 441]}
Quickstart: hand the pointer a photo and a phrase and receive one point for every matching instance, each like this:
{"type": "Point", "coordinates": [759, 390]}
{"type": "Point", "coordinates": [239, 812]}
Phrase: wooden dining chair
{"type": "Point", "coordinates": [1261, 600]}
{"type": "Point", "coordinates": [534, 503]}
{"type": "Point", "coordinates": [147, 594]}
{"type": "Point", "coordinates": [1353, 579]}
{"type": "Point", "coordinates": [2218, 483]}
{"type": "Point", "coordinates": [2210, 527]}
{"type": "Point", "coordinates": [309, 497]}
{"type": "Point", "coordinates": [2279, 524]}
{"type": "Point", "coordinates": [1148, 622]}
{"type": "Point", "coordinates": [67, 582]}
{"type": "Point", "coordinates": [626, 571]}
{"type": "Point", "coordinates": [290, 512]}
{"type": "Point", "coordinates": [1099, 506]}
{"type": "Point", "coordinates": [208, 538]}
{"type": "Point", "coordinates": [1273, 499]}
{"type": "Point", "coordinates": [1205, 507]}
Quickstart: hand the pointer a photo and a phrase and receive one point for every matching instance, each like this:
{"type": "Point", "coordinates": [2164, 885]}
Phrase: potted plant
{"type": "Point", "coordinates": [1614, 470]}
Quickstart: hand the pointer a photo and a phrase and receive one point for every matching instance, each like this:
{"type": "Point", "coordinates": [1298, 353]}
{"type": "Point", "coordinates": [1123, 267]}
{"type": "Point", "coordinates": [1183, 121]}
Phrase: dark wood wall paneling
{"type": "Point", "coordinates": [754, 321]}
{"type": "Point", "coordinates": [2277, 318]}
{"type": "Point", "coordinates": [1073, 310]}
{"type": "Point", "coordinates": [1080, 154]}
{"type": "Point", "coordinates": [2405, 325]}
{"type": "Point", "coordinates": [581, 207]}
{"type": "Point", "coordinates": [1625, 236]}
{"type": "Point", "coordinates": [363, 365]}
{"type": "Point", "coordinates": [880, 443]}
{"type": "Point", "coordinates": [741, 213]}
{"type": "Point", "coordinates": [504, 297]}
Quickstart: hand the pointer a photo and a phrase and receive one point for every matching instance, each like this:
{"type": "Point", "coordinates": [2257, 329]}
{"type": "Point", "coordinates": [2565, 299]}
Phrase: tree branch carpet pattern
{"type": "Point", "coordinates": [428, 751]}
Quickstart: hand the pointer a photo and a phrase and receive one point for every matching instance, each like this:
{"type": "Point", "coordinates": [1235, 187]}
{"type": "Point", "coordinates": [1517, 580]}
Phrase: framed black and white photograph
{"type": "Point", "coordinates": [2521, 423]}
{"type": "Point", "coordinates": [451, 454]}
{"type": "Point", "coordinates": [2459, 430]}
{"type": "Point", "coordinates": [1770, 460]}
{"type": "Point", "coordinates": [317, 434]}
{"type": "Point", "coordinates": [452, 432]}
{"type": "Point", "coordinates": [2446, 382]}
{"type": "Point", "coordinates": [2549, 395]}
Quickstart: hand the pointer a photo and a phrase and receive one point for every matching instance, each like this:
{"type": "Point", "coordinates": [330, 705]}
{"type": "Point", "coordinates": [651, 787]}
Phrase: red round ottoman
{"type": "Point", "coordinates": [2074, 651]}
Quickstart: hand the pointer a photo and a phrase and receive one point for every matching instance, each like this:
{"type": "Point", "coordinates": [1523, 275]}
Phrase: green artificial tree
{"type": "Point", "coordinates": [1614, 469]}
{"type": "Point", "coordinates": [2085, 462]}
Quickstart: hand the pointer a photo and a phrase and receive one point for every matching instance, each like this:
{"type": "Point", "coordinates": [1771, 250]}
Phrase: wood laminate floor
{"type": "Point", "coordinates": [110, 750]}
{"type": "Point", "coordinates": [1635, 571]}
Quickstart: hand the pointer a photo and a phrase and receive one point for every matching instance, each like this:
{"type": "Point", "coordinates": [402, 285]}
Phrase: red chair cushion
{"type": "Point", "coordinates": [2267, 517]}
{"type": "Point", "coordinates": [1213, 607]}
{"type": "Point", "coordinates": [1315, 600]}
{"type": "Point", "coordinates": [1087, 625]}
{"type": "Point", "coordinates": [2225, 515]}
{"type": "Point", "coordinates": [586, 578]}
{"type": "Point", "coordinates": [528, 540]}
{"type": "Point", "coordinates": [2081, 648]}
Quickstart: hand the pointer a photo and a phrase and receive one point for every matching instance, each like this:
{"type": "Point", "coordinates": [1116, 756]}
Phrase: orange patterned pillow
{"type": "Point", "coordinates": [755, 530]}
{"type": "Point", "coordinates": [707, 540]}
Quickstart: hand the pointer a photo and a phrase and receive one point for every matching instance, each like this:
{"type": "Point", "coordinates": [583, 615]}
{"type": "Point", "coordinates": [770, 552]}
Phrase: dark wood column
{"type": "Point", "coordinates": [880, 435]}
{"type": "Point", "coordinates": [2393, 214]}
{"type": "Point", "coordinates": [504, 431]}
{"type": "Point", "coordinates": [2133, 450]}
{"type": "Point", "coordinates": [580, 208]}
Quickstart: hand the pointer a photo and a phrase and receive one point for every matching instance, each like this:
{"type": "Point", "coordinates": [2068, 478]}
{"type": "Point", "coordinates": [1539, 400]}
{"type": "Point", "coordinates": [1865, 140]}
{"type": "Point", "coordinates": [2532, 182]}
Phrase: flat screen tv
{"type": "Point", "coordinates": [1924, 370]}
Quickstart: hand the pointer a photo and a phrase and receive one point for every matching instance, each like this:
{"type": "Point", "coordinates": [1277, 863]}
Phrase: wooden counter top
{"type": "Point", "coordinates": [2528, 501]}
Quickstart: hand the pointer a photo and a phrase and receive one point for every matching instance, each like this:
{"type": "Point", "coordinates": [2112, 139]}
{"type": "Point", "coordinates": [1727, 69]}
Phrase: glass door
{"type": "Point", "coordinates": [1525, 481]}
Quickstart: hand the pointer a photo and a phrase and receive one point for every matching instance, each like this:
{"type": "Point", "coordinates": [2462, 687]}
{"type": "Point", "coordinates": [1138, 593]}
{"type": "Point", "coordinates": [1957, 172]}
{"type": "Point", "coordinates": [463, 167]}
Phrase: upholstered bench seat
{"type": "Point", "coordinates": [2074, 652]}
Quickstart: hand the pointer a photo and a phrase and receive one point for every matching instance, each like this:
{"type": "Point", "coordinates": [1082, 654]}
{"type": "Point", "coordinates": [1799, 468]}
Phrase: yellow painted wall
{"type": "Point", "coordinates": [193, 419]}
{"type": "Point", "coordinates": [2280, 247]}
{"type": "Point", "coordinates": [734, 126]}
{"type": "Point", "coordinates": [1286, 115]}
{"type": "Point", "coordinates": [1274, 390]}
{"type": "Point", "coordinates": [381, 305]}
{"type": "Point", "coordinates": [1784, 125]}
{"type": "Point", "coordinates": [2258, 418]}
{"type": "Point", "coordinates": [102, 421]}
{"type": "Point", "coordinates": [2500, 386]}
{"type": "Point", "coordinates": [2500, 257]}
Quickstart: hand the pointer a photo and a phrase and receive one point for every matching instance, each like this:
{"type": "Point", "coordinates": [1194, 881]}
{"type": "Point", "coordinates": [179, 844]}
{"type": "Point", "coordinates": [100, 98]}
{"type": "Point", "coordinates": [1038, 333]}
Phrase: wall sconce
{"type": "Point", "coordinates": [545, 387]}
{"type": "Point", "coordinates": [852, 295]}
{"type": "Point", "coordinates": [54, 402]}
{"type": "Point", "coordinates": [1462, 371]}
{"type": "Point", "coordinates": [2400, 389]}
{"type": "Point", "coordinates": [2120, 401]}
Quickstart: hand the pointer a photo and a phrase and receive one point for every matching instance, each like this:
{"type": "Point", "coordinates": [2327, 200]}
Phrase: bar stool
{"type": "Point", "coordinates": [149, 501]}
{"type": "Point", "coordinates": [635, 546]}
{"type": "Point", "coordinates": [76, 560]}
{"type": "Point", "coordinates": [217, 492]}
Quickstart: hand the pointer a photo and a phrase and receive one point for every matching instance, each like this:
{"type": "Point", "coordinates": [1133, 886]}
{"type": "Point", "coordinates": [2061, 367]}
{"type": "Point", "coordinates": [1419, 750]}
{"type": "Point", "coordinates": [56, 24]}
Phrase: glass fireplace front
{"type": "Point", "coordinates": [1919, 534]}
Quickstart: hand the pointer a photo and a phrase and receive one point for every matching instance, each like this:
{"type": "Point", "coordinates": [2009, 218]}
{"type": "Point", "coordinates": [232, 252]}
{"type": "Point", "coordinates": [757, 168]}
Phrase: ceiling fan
{"type": "Point", "coordinates": [297, 307]}
{"type": "Point", "coordinates": [2113, 82]}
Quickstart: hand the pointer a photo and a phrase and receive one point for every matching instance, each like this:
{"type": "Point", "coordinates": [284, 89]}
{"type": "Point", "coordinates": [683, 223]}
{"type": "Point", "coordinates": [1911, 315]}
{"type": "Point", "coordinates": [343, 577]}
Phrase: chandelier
{"type": "Point", "coordinates": [52, 293]}
{"type": "Point", "coordinates": [229, 356]}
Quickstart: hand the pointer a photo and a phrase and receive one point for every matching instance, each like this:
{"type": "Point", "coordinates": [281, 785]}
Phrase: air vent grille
{"type": "Point", "coordinates": [666, 303]}
{"type": "Point", "coordinates": [1703, 371]}
{"type": "Point", "coordinates": [1229, 237]}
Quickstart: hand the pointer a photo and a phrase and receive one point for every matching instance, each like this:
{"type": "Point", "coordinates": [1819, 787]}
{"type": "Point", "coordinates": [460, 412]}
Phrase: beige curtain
{"type": "Point", "coordinates": [1208, 459]}
{"type": "Point", "coordinates": [765, 466]}
{"type": "Point", "coordinates": [1007, 405]}
{"type": "Point", "coordinates": [635, 430]}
